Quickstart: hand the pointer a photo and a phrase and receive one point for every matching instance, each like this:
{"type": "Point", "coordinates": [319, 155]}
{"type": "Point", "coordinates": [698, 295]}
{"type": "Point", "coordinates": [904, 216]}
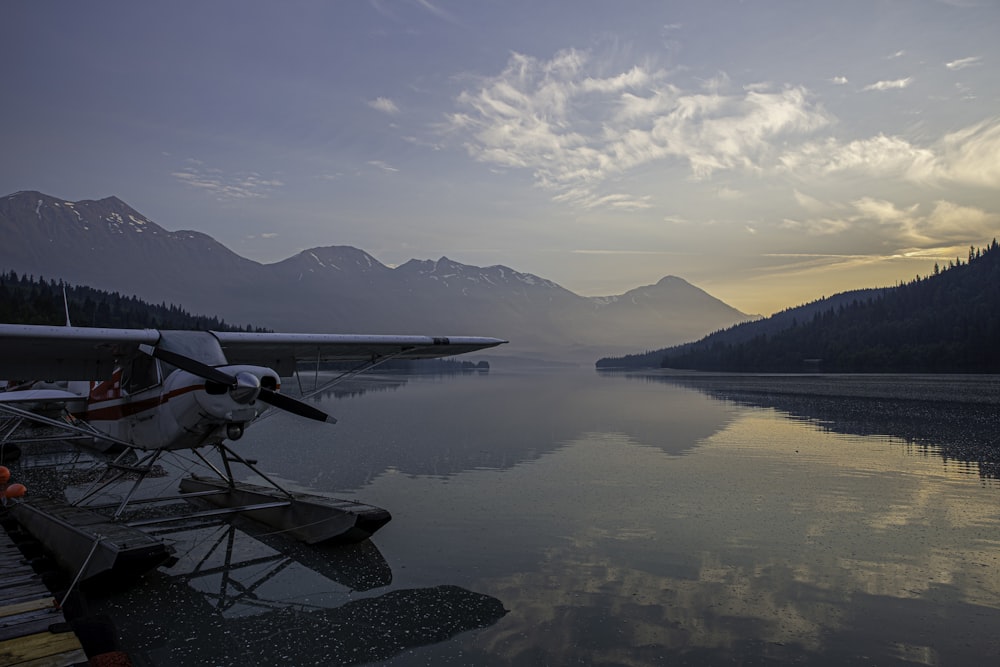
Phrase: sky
{"type": "Point", "coordinates": [771, 152]}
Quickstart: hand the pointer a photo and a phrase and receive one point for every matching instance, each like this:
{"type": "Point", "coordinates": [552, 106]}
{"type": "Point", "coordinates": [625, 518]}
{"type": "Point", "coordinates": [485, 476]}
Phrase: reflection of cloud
{"type": "Point", "coordinates": [239, 185]}
{"type": "Point", "coordinates": [574, 128]}
{"type": "Point", "coordinates": [771, 531]}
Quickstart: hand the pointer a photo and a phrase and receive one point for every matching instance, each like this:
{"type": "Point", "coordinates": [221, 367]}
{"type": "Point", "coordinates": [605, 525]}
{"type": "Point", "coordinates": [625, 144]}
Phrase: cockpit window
{"type": "Point", "coordinates": [141, 373]}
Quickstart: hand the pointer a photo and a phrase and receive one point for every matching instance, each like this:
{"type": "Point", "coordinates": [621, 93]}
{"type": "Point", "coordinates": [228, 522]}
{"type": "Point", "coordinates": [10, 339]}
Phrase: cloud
{"type": "Point", "coordinates": [436, 11]}
{"type": "Point", "coordinates": [239, 185]}
{"type": "Point", "coordinates": [810, 204]}
{"type": "Point", "coordinates": [609, 251]}
{"type": "Point", "coordinates": [382, 165]}
{"type": "Point", "coordinates": [902, 228]}
{"type": "Point", "coordinates": [970, 156]}
{"type": "Point", "coordinates": [962, 63]}
{"type": "Point", "coordinates": [890, 85]}
{"type": "Point", "coordinates": [822, 226]}
{"type": "Point", "coordinates": [839, 80]}
{"type": "Point", "coordinates": [619, 201]}
{"type": "Point", "coordinates": [874, 156]}
{"type": "Point", "coordinates": [574, 128]}
{"type": "Point", "coordinates": [384, 104]}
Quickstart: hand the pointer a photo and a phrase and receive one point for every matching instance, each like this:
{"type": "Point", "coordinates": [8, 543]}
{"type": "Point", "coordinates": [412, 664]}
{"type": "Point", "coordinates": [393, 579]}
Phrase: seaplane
{"type": "Point", "coordinates": [144, 393]}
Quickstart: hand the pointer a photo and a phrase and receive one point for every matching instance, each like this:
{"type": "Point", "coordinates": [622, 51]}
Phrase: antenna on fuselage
{"type": "Point", "coordinates": [66, 306]}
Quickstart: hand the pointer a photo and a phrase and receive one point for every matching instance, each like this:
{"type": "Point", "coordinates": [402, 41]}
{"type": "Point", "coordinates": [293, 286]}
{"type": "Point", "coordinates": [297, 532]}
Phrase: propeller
{"type": "Point", "coordinates": [295, 406]}
{"type": "Point", "coordinates": [243, 387]}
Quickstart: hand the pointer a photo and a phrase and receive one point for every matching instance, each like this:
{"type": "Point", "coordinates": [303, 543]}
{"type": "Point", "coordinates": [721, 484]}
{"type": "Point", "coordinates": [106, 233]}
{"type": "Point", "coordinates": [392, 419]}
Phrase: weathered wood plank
{"type": "Point", "coordinates": [25, 595]}
{"type": "Point", "coordinates": [31, 605]}
{"type": "Point", "coordinates": [42, 645]}
{"type": "Point", "coordinates": [26, 625]}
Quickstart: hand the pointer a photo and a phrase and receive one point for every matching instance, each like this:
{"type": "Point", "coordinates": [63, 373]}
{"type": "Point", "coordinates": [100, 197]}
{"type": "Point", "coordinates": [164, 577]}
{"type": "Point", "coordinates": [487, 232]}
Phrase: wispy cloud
{"type": "Point", "coordinates": [384, 104]}
{"type": "Point", "coordinates": [890, 85]}
{"type": "Point", "coordinates": [226, 186]}
{"type": "Point", "coordinates": [437, 11]}
{"type": "Point", "coordinates": [880, 156]}
{"type": "Point", "coordinates": [839, 80]}
{"type": "Point", "coordinates": [970, 156]}
{"type": "Point", "coordinates": [382, 165]}
{"type": "Point", "coordinates": [902, 227]}
{"type": "Point", "coordinates": [392, 10]}
{"type": "Point", "coordinates": [575, 129]}
{"type": "Point", "coordinates": [962, 63]}
{"type": "Point", "coordinates": [609, 251]}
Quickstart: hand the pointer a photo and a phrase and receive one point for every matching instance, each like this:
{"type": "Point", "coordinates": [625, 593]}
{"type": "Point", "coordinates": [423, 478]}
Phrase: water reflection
{"type": "Point", "coordinates": [743, 553]}
{"type": "Point", "coordinates": [954, 417]}
{"type": "Point", "coordinates": [609, 520]}
{"type": "Point", "coordinates": [240, 597]}
{"type": "Point", "coordinates": [444, 425]}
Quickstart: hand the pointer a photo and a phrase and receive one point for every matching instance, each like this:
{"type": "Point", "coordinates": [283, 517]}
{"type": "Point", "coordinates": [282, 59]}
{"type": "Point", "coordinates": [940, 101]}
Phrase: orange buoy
{"type": "Point", "coordinates": [4, 475]}
{"type": "Point", "coordinates": [15, 491]}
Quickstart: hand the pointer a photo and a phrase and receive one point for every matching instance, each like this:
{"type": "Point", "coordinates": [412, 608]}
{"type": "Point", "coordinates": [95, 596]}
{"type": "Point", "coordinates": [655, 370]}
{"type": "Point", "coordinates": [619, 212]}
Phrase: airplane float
{"type": "Point", "coordinates": [150, 392]}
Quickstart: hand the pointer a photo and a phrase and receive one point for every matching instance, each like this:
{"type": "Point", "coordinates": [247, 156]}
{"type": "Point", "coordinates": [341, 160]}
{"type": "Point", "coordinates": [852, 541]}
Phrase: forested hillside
{"type": "Point", "coordinates": [946, 322]}
{"type": "Point", "coordinates": [29, 300]}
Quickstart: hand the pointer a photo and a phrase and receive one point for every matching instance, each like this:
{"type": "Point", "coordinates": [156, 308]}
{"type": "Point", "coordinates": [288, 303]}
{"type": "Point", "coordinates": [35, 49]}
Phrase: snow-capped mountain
{"type": "Point", "coordinates": [109, 245]}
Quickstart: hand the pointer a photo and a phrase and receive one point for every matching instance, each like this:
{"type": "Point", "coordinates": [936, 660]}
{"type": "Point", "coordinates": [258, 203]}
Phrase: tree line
{"type": "Point", "coordinates": [25, 299]}
{"type": "Point", "coordinates": [948, 321]}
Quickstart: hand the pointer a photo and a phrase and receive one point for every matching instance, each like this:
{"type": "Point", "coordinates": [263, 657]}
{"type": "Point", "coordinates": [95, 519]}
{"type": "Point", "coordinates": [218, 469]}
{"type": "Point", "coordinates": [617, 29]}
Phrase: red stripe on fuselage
{"type": "Point", "coordinates": [128, 408]}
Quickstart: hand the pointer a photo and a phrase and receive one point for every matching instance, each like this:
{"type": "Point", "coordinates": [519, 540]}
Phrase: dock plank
{"type": "Point", "coordinates": [27, 612]}
{"type": "Point", "coordinates": [42, 648]}
{"type": "Point", "coordinates": [32, 605]}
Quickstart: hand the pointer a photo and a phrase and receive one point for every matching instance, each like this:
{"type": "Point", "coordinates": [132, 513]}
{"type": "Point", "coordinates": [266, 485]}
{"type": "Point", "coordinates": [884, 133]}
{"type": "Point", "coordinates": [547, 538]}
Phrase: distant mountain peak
{"type": "Point", "coordinates": [671, 280]}
{"type": "Point", "coordinates": [108, 245]}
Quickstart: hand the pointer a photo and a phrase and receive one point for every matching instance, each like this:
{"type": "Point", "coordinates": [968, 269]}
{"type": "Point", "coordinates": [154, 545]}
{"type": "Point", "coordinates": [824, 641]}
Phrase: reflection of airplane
{"type": "Point", "coordinates": [149, 392]}
{"type": "Point", "coordinates": [268, 607]}
{"type": "Point", "coordinates": [249, 597]}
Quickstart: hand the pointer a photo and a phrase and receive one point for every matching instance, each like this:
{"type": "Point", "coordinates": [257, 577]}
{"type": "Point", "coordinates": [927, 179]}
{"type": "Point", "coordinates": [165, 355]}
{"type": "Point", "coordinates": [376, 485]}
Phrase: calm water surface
{"type": "Point", "coordinates": [572, 517]}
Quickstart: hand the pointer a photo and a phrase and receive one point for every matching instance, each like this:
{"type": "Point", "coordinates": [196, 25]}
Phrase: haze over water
{"type": "Point", "coordinates": [581, 518]}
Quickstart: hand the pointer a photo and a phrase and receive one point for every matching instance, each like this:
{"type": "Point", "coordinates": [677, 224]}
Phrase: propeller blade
{"type": "Point", "coordinates": [190, 365]}
{"type": "Point", "coordinates": [212, 374]}
{"type": "Point", "coordinates": [295, 406]}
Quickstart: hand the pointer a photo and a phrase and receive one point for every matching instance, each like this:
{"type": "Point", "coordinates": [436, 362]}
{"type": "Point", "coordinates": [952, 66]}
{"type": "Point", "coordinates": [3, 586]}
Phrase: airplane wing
{"type": "Point", "coordinates": [84, 353]}
{"type": "Point", "coordinates": [33, 352]}
{"type": "Point", "coordinates": [281, 351]}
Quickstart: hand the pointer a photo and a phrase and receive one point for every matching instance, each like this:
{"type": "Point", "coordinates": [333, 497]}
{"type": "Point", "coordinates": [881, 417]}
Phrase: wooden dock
{"type": "Point", "coordinates": [33, 630]}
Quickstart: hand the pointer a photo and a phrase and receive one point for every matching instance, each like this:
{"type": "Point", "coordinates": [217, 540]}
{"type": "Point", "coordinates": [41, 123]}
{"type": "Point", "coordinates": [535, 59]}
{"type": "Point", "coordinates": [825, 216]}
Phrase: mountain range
{"type": "Point", "coordinates": [106, 244]}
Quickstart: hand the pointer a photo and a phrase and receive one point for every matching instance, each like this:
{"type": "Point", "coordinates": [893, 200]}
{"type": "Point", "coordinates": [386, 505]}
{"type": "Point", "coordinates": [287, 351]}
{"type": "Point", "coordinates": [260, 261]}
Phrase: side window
{"type": "Point", "coordinates": [142, 373]}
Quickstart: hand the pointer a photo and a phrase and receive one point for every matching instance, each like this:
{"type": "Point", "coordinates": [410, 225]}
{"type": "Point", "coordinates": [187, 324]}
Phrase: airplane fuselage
{"type": "Point", "coordinates": [181, 411]}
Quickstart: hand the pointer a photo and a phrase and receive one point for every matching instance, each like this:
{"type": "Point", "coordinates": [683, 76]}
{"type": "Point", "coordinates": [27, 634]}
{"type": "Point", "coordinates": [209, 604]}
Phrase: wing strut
{"type": "Point", "coordinates": [64, 425]}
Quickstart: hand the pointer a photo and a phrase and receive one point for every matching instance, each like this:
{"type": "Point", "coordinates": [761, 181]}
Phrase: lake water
{"type": "Point", "coordinates": [576, 517]}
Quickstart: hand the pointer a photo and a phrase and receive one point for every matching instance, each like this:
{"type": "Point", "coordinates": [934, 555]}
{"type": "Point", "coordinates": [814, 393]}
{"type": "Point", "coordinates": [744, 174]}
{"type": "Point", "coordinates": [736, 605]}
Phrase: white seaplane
{"type": "Point", "coordinates": [150, 392]}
